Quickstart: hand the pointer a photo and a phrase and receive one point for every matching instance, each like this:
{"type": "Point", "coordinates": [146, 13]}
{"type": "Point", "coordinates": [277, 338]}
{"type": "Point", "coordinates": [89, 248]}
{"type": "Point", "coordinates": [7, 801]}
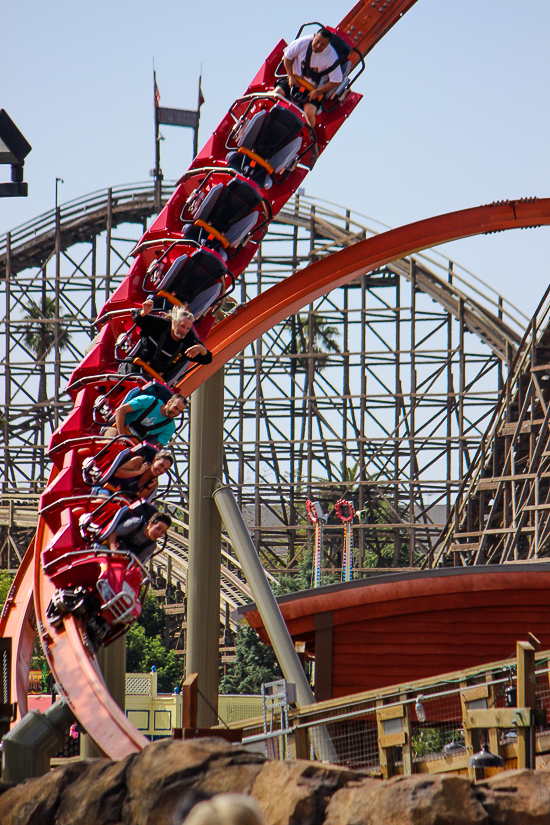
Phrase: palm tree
{"type": "Point", "coordinates": [39, 336]}
{"type": "Point", "coordinates": [316, 354]}
{"type": "Point", "coordinates": [323, 341]}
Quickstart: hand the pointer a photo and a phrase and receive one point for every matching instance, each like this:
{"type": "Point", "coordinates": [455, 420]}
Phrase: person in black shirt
{"type": "Point", "coordinates": [139, 535]}
{"type": "Point", "coordinates": [168, 342]}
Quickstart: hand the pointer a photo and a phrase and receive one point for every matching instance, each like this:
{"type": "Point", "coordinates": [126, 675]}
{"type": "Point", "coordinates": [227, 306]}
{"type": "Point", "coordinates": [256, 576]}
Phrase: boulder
{"type": "Point", "coordinates": [36, 801]}
{"type": "Point", "coordinates": [408, 800]}
{"type": "Point", "coordinates": [517, 797]}
{"type": "Point", "coordinates": [297, 792]}
{"type": "Point", "coordinates": [97, 796]}
{"type": "Point", "coordinates": [165, 773]}
{"type": "Point", "coordinates": [159, 785]}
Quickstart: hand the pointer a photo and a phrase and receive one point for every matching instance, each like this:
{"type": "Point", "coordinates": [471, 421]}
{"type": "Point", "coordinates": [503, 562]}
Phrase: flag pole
{"type": "Point", "coordinates": [158, 172]}
{"type": "Point", "coordinates": [200, 101]}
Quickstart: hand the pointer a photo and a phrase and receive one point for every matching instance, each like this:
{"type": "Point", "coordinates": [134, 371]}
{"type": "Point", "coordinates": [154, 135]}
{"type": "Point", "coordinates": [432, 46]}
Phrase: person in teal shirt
{"type": "Point", "coordinates": [148, 418]}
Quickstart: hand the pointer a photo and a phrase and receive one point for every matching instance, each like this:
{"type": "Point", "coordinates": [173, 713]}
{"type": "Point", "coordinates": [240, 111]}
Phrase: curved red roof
{"type": "Point", "coordinates": [404, 626]}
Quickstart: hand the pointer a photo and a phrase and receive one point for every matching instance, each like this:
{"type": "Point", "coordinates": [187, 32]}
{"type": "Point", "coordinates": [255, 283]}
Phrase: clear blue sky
{"type": "Point", "coordinates": [455, 110]}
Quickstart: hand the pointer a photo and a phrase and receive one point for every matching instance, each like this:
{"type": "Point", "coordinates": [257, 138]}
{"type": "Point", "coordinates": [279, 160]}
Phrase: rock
{"type": "Point", "coordinates": [297, 792]}
{"type": "Point", "coordinates": [517, 797]}
{"type": "Point", "coordinates": [166, 772]}
{"type": "Point", "coordinates": [36, 801]}
{"type": "Point", "coordinates": [158, 786]}
{"type": "Point", "coordinates": [97, 796]}
{"type": "Point", "coordinates": [408, 800]}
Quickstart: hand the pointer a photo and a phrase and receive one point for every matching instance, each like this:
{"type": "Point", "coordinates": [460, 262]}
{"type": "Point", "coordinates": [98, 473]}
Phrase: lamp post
{"type": "Point", "coordinates": [57, 329]}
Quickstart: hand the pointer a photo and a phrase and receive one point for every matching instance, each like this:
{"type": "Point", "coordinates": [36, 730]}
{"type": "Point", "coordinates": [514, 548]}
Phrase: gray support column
{"type": "Point", "coordinates": [112, 663]}
{"type": "Point", "coordinates": [271, 615]}
{"type": "Point", "coordinates": [203, 576]}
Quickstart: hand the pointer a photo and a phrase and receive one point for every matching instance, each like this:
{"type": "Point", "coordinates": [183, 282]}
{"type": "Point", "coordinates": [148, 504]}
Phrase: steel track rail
{"type": "Point", "coordinates": [78, 677]}
{"type": "Point", "coordinates": [18, 623]}
{"type": "Point", "coordinates": [289, 296]}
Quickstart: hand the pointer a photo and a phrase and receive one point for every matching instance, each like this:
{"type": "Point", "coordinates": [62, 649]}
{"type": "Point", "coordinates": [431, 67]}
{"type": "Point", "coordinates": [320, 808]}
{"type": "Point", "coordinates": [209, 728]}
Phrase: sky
{"type": "Point", "coordinates": [455, 109]}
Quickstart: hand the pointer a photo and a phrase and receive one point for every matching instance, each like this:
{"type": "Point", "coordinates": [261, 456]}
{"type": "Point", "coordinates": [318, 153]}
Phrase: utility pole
{"type": "Point", "coordinates": [203, 575]}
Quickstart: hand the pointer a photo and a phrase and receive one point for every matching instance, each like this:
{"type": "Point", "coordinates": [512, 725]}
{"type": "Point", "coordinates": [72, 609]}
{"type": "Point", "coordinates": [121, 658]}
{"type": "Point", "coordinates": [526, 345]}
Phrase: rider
{"type": "Point", "coordinates": [167, 342]}
{"type": "Point", "coordinates": [148, 418]}
{"type": "Point", "coordinates": [313, 58]}
{"type": "Point", "coordinates": [140, 476]}
{"type": "Point", "coordinates": [139, 535]}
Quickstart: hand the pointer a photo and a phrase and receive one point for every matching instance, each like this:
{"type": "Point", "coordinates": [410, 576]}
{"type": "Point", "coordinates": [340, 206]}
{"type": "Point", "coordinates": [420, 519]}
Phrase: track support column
{"type": "Point", "coordinates": [203, 576]}
{"type": "Point", "coordinates": [112, 663]}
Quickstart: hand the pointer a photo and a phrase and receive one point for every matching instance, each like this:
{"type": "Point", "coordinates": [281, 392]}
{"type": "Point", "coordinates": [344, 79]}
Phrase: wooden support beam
{"type": "Point", "coordinates": [324, 627]}
{"type": "Point", "coordinates": [190, 696]}
{"type": "Point", "coordinates": [392, 733]}
{"type": "Point", "coordinates": [526, 693]}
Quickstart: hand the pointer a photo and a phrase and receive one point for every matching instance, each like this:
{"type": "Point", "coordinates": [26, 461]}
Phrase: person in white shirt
{"type": "Point", "coordinates": [311, 58]}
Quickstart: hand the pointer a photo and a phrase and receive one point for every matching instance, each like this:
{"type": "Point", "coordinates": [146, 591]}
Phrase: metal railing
{"type": "Point", "coordinates": [427, 726]}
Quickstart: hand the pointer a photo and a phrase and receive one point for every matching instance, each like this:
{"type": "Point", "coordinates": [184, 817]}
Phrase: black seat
{"type": "Point", "coordinates": [343, 50]}
{"type": "Point", "coordinates": [191, 274]}
{"type": "Point", "coordinates": [229, 210]}
{"type": "Point", "coordinates": [271, 136]}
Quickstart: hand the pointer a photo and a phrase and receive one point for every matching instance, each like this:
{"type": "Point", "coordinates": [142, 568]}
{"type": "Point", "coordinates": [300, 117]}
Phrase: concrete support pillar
{"type": "Point", "coordinates": [112, 662]}
{"type": "Point", "coordinates": [203, 576]}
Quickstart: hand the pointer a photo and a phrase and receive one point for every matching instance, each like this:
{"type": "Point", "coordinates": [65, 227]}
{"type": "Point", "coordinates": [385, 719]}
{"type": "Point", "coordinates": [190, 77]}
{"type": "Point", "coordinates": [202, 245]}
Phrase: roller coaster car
{"type": "Point", "coordinates": [189, 278]}
{"type": "Point", "coordinates": [98, 470]}
{"type": "Point", "coordinates": [268, 140]}
{"type": "Point", "coordinates": [104, 588]}
{"type": "Point", "coordinates": [224, 211]}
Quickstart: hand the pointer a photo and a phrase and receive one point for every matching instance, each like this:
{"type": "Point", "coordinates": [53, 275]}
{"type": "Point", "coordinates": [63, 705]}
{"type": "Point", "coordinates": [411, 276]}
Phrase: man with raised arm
{"type": "Point", "coordinates": [168, 342]}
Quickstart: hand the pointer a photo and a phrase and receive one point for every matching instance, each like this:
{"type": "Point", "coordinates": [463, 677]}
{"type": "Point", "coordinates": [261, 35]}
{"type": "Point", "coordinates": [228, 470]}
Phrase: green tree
{"type": "Point", "coordinates": [6, 579]}
{"type": "Point", "coordinates": [323, 341]}
{"type": "Point", "coordinates": [39, 336]}
{"type": "Point", "coordinates": [256, 663]}
{"type": "Point", "coordinates": [144, 648]}
{"type": "Point", "coordinates": [302, 580]}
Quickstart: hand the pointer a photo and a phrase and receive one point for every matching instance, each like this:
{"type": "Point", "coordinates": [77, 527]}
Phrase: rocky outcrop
{"type": "Point", "coordinates": [157, 786]}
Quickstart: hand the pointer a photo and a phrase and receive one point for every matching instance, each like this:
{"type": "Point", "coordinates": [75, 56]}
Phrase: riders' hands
{"type": "Point", "coordinates": [144, 467]}
{"type": "Point", "coordinates": [196, 349]}
{"type": "Point", "coordinates": [146, 307]}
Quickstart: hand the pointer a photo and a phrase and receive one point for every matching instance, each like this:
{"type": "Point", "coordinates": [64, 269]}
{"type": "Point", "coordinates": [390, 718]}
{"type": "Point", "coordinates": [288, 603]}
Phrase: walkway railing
{"type": "Point", "coordinates": [433, 725]}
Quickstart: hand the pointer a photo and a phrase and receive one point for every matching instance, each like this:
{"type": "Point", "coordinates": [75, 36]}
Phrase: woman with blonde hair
{"type": "Point", "coordinates": [226, 809]}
